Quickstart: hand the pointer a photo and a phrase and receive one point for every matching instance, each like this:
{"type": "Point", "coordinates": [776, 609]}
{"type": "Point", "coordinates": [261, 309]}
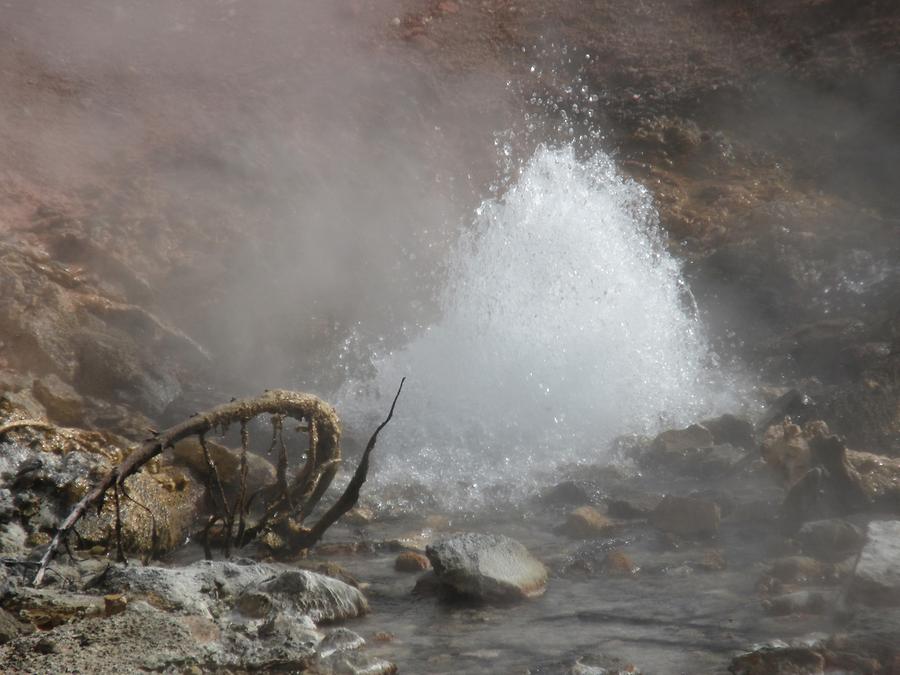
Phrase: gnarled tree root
{"type": "Point", "coordinates": [291, 503]}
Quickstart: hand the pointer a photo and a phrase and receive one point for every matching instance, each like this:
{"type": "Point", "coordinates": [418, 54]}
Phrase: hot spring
{"type": "Point", "coordinates": [565, 322]}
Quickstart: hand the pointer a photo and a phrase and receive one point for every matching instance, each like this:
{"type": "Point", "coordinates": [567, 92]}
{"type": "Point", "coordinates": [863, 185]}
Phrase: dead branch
{"type": "Point", "coordinates": [351, 494]}
{"type": "Point", "coordinates": [277, 402]}
{"type": "Point", "coordinates": [289, 505]}
{"type": "Point", "coordinates": [25, 424]}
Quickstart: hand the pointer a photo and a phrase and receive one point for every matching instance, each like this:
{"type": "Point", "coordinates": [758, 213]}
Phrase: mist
{"type": "Point", "coordinates": [636, 261]}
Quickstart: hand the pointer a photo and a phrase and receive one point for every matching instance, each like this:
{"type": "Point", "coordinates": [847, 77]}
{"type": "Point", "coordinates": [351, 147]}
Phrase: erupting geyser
{"type": "Point", "coordinates": [565, 323]}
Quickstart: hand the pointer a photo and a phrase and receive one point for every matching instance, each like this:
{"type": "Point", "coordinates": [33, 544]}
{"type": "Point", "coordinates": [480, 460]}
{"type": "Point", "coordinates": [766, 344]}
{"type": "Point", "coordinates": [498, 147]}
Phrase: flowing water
{"type": "Point", "coordinates": [565, 322]}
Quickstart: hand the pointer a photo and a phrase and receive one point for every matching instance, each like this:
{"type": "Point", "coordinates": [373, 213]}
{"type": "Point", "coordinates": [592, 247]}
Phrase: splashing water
{"type": "Point", "coordinates": [565, 323]}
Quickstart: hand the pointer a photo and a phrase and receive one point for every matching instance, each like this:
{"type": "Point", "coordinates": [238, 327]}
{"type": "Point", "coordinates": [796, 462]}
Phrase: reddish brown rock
{"type": "Point", "coordinates": [410, 561]}
{"type": "Point", "coordinates": [586, 522]}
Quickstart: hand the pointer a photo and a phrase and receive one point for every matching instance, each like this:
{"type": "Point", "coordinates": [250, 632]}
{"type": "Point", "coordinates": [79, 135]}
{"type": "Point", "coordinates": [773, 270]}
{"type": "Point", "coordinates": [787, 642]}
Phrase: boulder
{"type": "Point", "coordinates": [686, 516]}
{"type": "Point", "coordinates": [876, 579]}
{"type": "Point", "coordinates": [488, 567]}
{"type": "Point", "coordinates": [260, 472]}
{"type": "Point", "coordinates": [48, 477]}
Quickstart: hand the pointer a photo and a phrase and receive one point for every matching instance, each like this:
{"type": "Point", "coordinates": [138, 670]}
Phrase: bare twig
{"type": "Point", "coordinates": [25, 424]}
{"type": "Point", "coordinates": [291, 404]}
{"type": "Point", "coordinates": [351, 494]}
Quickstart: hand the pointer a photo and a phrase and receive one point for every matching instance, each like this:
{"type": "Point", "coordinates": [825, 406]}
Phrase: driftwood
{"type": "Point", "coordinates": [291, 502]}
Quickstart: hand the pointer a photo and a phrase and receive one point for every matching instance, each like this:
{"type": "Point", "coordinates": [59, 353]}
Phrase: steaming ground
{"type": "Point", "coordinates": [565, 323]}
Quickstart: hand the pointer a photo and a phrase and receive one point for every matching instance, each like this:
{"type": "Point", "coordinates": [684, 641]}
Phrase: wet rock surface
{"type": "Point", "coordinates": [489, 567]}
{"type": "Point", "coordinates": [45, 479]}
{"type": "Point", "coordinates": [876, 578]}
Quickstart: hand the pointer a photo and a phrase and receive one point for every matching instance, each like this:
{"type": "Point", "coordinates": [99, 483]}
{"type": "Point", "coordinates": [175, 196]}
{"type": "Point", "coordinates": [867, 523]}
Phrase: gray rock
{"type": "Point", "coordinates": [876, 580]}
{"type": "Point", "coordinates": [340, 640]}
{"type": "Point", "coordinates": [489, 567]}
{"type": "Point", "coordinates": [320, 597]}
{"type": "Point", "coordinates": [208, 588]}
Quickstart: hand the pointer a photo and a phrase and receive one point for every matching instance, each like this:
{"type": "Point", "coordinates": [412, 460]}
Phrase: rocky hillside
{"type": "Point", "coordinates": [212, 196]}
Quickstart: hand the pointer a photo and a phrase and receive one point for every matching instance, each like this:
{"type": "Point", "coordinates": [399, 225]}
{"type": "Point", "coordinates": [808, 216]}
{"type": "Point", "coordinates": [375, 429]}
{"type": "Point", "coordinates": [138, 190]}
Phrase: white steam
{"type": "Point", "coordinates": [565, 323]}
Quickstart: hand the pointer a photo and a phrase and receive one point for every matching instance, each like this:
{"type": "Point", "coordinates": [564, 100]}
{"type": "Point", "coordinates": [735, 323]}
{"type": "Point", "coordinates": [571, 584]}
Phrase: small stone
{"type": "Point", "coordinates": [586, 522]}
{"type": "Point", "coordinates": [410, 561]}
{"type": "Point", "coordinates": [340, 640]}
{"type": "Point", "coordinates": [490, 567]}
{"type": "Point", "coordinates": [383, 636]}
{"type": "Point", "coordinates": [617, 563]}
{"type": "Point", "coordinates": [358, 516]}
{"type": "Point", "coordinates": [686, 516]}
{"type": "Point", "coordinates": [115, 603]}
{"type": "Point", "coordinates": [448, 7]}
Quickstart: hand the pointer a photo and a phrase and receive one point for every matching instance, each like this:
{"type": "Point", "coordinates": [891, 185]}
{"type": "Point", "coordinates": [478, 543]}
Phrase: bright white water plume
{"type": "Point", "coordinates": [565, 323]}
